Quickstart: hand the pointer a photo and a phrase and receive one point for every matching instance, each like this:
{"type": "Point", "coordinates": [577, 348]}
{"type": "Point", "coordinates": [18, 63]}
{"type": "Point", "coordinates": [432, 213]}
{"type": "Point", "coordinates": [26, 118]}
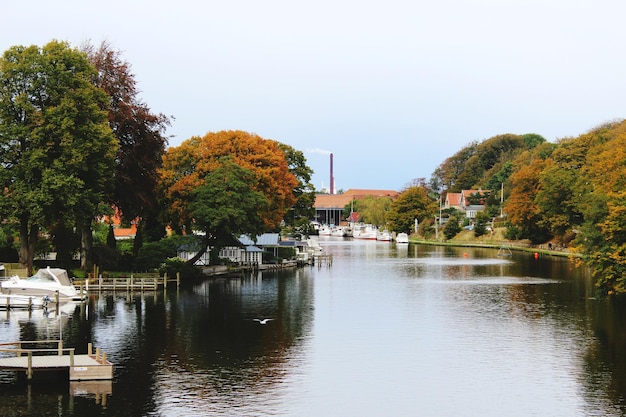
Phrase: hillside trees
{"type": "Point", "coordinates": [265, 170]}
{"type": "Point", "coordinates": [602, 201]}
{"type": "Point", "coordinates": [56, 147]}
{"type": "Point", "coordinates": [483, 164]}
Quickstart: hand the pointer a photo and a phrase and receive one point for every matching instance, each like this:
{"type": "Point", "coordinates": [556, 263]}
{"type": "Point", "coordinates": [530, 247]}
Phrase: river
{"type": "Point", "coordinates": [385, 331]}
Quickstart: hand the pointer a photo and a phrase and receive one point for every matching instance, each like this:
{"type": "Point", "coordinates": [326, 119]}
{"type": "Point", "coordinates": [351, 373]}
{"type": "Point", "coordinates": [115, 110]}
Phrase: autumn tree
{"type": "Point", "coordinates": [521, 210]}
{"type": "Point", "coordinates": [602, 201]}
{"type": "Point", "coordinates": [56, 147]}
{"type": "Point", "coordinates": [140, 134]}
{"type": "Point", "coordinates": [412, 203]}
{"type": "Point", "coordinates": [186, 167]}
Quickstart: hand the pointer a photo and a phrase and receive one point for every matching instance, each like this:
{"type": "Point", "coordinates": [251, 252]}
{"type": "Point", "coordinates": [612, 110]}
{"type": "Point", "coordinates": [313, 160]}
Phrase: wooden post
{"type": "Point", "coordinates": [29, 371]}
{"type": "Point", "coordinates": [72, 357]}
{"type": "Point", "coordinates": [89, 348]}
{"type": "Point", "coordinates": [97, 353]}
{"type": "Point", "coordinates": [8, 302]}
{"type": "Point", "coordinates": [56, 299]}
{"type": "Point", "coordinates": [178, 279]}
{"type": "Point", "coordinates": [60, 347]}
{"type": "Point", "coordinates": [165, 281]}
{"type": "Point", "coordinates": [104, 358]}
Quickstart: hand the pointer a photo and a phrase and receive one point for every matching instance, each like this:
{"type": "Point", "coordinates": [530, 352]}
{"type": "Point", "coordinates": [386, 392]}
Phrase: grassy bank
{"type": "Point", "coordinates": [496, 239]}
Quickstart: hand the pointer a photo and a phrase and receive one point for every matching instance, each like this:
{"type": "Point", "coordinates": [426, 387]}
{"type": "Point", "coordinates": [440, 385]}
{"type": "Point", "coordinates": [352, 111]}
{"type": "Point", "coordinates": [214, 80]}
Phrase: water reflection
{"type": "Point", "coordinates": [387, 330]}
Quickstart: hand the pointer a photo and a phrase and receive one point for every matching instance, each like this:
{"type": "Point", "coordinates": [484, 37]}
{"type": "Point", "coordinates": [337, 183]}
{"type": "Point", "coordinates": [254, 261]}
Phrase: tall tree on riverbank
{"type": "Point", "coordinates": [139, 131]}
{"type": "Point", "coordinates": [56, 147]}
{"type": "Point", "coordinates": [186, 167]}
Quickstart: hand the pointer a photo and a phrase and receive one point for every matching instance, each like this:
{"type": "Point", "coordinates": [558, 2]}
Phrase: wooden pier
{"type": "Point", "coordinates": [29, 357]}
{"type": "Point", "coordinates": [324, 259]}
{"type": "Point", "coordinates": [132, 282]}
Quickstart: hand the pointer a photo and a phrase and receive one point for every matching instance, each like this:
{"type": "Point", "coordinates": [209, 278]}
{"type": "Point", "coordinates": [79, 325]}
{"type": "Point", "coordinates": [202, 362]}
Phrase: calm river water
{"type": "Point", "coordinates": [385, 331]}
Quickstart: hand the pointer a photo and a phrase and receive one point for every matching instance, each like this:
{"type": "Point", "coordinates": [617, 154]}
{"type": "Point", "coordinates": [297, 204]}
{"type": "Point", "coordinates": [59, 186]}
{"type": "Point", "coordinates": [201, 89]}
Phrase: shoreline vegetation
{"type": "Point", "coordinates": [496, 240]}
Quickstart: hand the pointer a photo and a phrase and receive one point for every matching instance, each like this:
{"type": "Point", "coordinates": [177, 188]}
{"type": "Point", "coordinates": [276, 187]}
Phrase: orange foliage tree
{"type": "Point", "coordinates": [186, 167]}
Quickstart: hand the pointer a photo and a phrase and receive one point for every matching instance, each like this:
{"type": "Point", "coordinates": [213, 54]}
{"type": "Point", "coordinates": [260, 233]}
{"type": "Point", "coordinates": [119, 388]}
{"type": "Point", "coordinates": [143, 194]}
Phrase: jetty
{"type": "Point", "coordinates": [130, 282]}
{"type": "Point", "coordinates": [50, 355]}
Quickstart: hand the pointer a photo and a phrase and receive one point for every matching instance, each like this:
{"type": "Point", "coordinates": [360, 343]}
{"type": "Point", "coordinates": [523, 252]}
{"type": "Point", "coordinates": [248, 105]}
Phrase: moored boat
{"type": "Point", "coordinates": [364, 232]}
{"type": "Point", "coordinates": [50, 282]}
{"type": "Point", "coordinates": [384, 236]}
{"type": "Point", "coordinates": [402, 238]}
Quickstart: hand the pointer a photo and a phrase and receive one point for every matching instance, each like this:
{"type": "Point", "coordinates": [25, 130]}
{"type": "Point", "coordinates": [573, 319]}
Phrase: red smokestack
{"type": "Point", "coordinates": [332, 180]}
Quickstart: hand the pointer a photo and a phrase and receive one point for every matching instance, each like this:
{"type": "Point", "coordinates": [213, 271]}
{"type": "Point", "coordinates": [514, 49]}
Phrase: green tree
{"type": "Point", "coordinates": [480, 224]}
{"type": "Point", "coordinates": [225, 206]}
{"type": "Point", "coordinates": [412, 203]}
{"type": "Point", "coordinates": [303, 209]}
{"type": "Point", "coordinates": [371, 209]}
{"type": "Point", "coordinates": [451, 228]}
{"type": "Point", "coordinates": [56, 147]}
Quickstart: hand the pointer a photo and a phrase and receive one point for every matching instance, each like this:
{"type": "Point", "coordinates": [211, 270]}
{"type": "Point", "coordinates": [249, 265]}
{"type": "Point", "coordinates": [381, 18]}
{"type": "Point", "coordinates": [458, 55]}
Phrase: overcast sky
{"type": "Point", "coordinates": [390, 88]}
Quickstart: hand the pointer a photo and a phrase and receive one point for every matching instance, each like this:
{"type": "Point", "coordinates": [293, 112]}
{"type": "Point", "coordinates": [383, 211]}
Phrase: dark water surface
{"type": "Point", "coordinates": [385, 331]}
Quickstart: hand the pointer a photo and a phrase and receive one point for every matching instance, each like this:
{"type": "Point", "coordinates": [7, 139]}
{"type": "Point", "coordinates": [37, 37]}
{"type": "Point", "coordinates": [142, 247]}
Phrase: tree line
{"type": "Point", "coordinates": [570, 193]}
{"type": "Point", "coordinates": [77, 145]}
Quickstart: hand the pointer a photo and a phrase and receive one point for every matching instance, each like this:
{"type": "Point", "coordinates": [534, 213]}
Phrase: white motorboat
{"type": "Point", "coordinates": [324, 230]}
{"type": "Point", "coordinates": [364, 232]}
{"type": "Point", "coordinates": [402, 238]}
{"type": "Point", "coordinates": [46, 282]}
{"type": "Point", "coordinates": [339, 231]}
{"type": "Point", "coordinates": [384, 236]}
{"type": "Point", "coordinates": [11, 301]}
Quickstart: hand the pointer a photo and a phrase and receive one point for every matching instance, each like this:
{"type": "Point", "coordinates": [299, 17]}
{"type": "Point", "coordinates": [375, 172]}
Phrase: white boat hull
{"type": "Point", "coordinates": [51, 282]}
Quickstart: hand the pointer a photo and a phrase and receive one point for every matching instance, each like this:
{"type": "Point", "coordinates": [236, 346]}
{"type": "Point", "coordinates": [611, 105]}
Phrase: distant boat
{"type": "Point", "coordinates": [402, 238]}
{"type": "Point", "coordinates": [325, 230]}
{"type": "Point", "coordinates": [384, 236]}
{"type": "Point", "coordinates": [364, 232]}
{"type": "Point", "coordinates": [338, 231]}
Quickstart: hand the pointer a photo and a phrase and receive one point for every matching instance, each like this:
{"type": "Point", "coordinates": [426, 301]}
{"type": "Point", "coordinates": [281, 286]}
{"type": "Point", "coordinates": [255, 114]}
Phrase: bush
{"type": "Point", "coordinates": [152, 254]}
{"type": "Point", "coordinates": [173, 266]}
{"type": "Point", "coordinates": [451, 228]}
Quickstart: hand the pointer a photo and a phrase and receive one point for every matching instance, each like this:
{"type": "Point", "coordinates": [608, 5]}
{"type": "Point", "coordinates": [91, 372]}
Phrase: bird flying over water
{"type": "Point", "coordinates": [263, 321]}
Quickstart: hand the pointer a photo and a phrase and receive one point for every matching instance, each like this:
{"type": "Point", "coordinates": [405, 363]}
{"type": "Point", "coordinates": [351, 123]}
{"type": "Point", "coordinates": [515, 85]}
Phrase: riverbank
{"type": "Point", "coordinates": [495, 240]}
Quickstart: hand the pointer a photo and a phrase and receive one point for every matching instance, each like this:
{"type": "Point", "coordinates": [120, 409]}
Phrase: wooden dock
{"type": "Point", "coordinates": [29, 358]}
{"type": "Point", "coordinates": [132, 282]}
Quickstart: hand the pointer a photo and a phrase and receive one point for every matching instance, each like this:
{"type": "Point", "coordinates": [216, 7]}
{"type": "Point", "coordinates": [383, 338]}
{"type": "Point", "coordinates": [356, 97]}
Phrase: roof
{"type": "Point", "coordinates": [252, 248]}
{"type": "Point", "coordinates": [339, 201]}
{"type": "Point", "coordinates": [327, 201]}
{"type": "Point", "coordinates": [453, 199]}
{"type": "Point", "coordinates": [266, 239]}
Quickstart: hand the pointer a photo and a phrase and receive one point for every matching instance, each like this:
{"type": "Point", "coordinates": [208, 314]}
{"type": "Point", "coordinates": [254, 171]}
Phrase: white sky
{"type": "Point", "coordinates": [391, 88]}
